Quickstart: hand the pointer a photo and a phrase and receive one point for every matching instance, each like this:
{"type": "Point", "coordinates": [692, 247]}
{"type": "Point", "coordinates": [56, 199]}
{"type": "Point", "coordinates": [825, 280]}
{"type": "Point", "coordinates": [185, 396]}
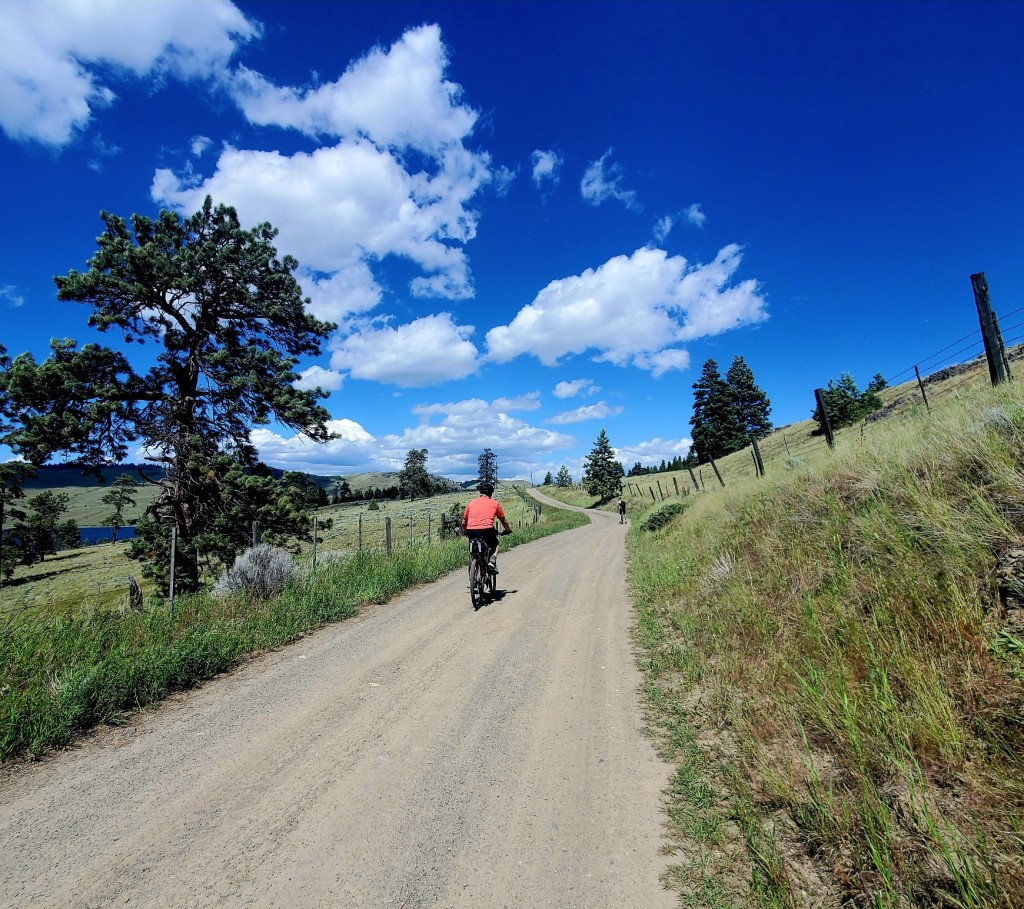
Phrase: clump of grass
{"type": "Point", "coordinates": [63, 673]}
{"type": "Point", "coordinates": [849, 616]}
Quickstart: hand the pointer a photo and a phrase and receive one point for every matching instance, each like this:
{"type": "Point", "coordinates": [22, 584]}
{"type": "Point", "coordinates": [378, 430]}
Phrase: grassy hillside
{"type": "Point", "coordinates": [97, 576]}
{"type": "Point", "coordinates": [85, 506]}
{"type": "Point", "coordinates": [835, 656]}
{"type": "Point", "coordinates": [65, 671]}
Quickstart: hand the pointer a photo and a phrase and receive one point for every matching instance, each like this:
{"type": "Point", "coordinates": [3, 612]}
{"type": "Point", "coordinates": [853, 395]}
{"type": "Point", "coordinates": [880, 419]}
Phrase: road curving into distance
{"type": "Point", "coordinates": [421, 755]}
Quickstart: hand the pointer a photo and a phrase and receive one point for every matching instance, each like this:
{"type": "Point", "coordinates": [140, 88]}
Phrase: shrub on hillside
{"type": "Point", "coordinates": [662, 516]}
{"type": "Point", "coordinates": [261, 572]}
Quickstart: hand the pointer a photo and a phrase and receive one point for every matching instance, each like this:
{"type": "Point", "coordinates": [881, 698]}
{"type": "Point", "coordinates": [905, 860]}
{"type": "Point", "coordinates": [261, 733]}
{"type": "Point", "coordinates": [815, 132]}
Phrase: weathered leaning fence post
{"type": "Point", "coordinates": [758, 463]}
{"type": "Point", "coordinates": [693, 479]}
{"type": "Point", "coordinates": [387, 534]}
{"type": "Point", "coordinates": [675, 483]}
{"type": "Point", "coordinates": [430, 517]}
{"type": "Point", "coordinates": [714, 467]}
{"type": "Point", "coordinates": [360, 532]}
{"type": "Point", "coordinates": [174, 553]}
{"type": "Point", "coordinates": [920, 385]}
{"type": "Point", "coordinates": [995, 353]}
{"type": "Point", "coordinates": [819, 396]}
{"type": "Point", "coordinates": [255, 533]}
{"type": "Point", "coordinates": [661, 494]}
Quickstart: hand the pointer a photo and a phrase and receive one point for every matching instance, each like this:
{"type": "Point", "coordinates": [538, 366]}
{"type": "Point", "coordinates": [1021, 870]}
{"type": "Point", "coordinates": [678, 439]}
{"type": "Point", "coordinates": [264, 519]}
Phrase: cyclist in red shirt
{"type": "Point", "coordinates": [478, 521]}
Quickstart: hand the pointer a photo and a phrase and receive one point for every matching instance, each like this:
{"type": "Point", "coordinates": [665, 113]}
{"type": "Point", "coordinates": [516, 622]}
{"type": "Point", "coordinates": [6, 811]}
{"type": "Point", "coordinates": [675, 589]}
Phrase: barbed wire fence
{"type": "Point", "coordinates": [983, 354]}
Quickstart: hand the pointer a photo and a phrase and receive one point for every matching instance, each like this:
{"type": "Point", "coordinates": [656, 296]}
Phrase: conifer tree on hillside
{"type": "Point", "coordinates": [487, 468]}
{"type": "Point", "coordinates": [548, 479]}
{"type": "Point", "coordinates": [750, 405]}
{"type": "Point", "coordinates": [713, 424]}
{"type": "Point", "coordinates": [602, 472]}
{"type": "Point", "coordinates": [846, 403]}
{"type": "Point", "coordinates": [564, 478]}
{"type": "Point", "coordinates": [413, 480]}
{"type": "Point", "coordinates": [227, 322]}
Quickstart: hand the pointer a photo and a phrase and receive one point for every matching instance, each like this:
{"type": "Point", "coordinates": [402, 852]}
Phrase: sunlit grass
{"type": "Point", "coordinates": [843, 622]}
{"type": "Point", "coordinates": [64, 671]}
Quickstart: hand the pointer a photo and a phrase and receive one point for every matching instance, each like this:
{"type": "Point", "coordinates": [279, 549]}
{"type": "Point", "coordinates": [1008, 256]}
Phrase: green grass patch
{"type": "Point", "coordinates": [851, 625]}
{"type": "Point", "coordinates": [62, 673]}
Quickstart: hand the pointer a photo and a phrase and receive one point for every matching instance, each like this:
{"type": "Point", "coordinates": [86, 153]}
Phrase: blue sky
{"type": "Point", "coordinates": [532, 221]}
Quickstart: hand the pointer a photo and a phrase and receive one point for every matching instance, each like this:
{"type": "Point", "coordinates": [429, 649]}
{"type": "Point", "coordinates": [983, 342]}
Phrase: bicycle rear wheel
{"type": "Point", "coordinates": [476, 586]}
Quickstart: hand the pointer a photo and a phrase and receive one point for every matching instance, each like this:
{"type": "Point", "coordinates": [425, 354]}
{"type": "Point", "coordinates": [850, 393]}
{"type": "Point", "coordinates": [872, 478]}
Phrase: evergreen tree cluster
{"type": "Point", "coordinates": [846, 403]}
{"type": "Point", "coordinates": [727, 412]}
{"type": "Point", "coordinates": [564, 478]}
{"type": "Point", "coordinates": [677, 463]}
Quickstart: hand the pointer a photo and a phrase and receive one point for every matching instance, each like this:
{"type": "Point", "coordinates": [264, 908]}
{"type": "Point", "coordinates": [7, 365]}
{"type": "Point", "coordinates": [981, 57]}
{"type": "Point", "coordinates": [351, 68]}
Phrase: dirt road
{"type": "Point", "coordinates": [423, 755]}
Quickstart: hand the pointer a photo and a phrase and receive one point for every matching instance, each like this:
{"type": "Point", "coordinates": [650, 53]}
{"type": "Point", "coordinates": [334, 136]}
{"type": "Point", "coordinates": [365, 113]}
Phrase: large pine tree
{"type": "Point", "coordinates": [750, 405]}
{"type": "Point", "coordinates": [602, 472]}
{"type": "Point", "coordinates": [713, 426]}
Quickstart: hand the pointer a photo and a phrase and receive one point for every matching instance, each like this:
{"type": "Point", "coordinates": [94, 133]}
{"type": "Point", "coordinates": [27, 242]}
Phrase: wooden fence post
{"type": "Point", "coordinates": [693, 479]}
{"type": "Point", "coordinates": [700, 473]}
{"type": "Point", "coordinates": [430, 521]}
{"type": "Point", "coordinates": [174, 555]}
{"type": "Point", "coordinates": [314, 540]}
{"type": "Point", "coordinates": [255, 533]}
{"type": "Point", "coordinates": [995, 353]}
{"type": "Point", "coordinates": [758, 463]}
{"type": "Point", "coordinates": [675, 483]}
{"type": "Point", "coordinates": [714, 467]}
{"type": "Point", "coordinates": [387, 534]}
{"type": "Point", "coordinates": [360, 532]}
{"type": "Point", "coordinates": [650, 489]}
{"type": "Point", "coordinates": [819, 396]}
{"type": "Point", "coordinates": [660, 493]}
{"type": "Point", "coordinates": [410, 530]}
{"type": "Point", "coordinates": [924, 394]}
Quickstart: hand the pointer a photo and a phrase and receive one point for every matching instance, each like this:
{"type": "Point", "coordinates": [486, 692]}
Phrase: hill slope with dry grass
{"type": "Point", "coordinates": [835, 655]}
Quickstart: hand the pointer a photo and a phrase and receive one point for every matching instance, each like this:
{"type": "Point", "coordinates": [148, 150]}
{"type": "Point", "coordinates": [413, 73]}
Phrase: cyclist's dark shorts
{"type": "Point", "coordinates": [489, 535]}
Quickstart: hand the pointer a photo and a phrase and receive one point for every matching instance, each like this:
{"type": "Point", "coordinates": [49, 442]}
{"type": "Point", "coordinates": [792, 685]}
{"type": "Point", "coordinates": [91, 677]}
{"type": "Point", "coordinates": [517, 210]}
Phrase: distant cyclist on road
{"type": "Point", "coordinates": [622, 511]}
{"type": "Point", "coordinates": [478, 521]}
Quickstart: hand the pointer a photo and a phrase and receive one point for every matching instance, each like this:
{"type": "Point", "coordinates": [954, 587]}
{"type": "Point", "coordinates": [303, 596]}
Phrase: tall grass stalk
{"type": "Point", "coordinates": [63, 673]}
{"type": "Point", "coordinates": [850, 617]}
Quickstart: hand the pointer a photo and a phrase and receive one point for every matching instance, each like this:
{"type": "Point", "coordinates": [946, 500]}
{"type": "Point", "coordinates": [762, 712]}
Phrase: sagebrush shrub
{"type": "Point", "coordinates": [261, 572]}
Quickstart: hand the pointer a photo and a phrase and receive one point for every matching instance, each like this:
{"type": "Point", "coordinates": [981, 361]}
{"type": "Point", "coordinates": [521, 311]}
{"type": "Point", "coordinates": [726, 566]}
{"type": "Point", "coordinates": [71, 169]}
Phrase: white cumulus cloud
{"type": "Point", "coordinates": [453, 433]}
{"type": "Point", "coordinates": [397, 97]}
{"type": "Point", "coordinates": [396, 178]}
{"type": "Point", "coordinates": [11, 296]}
{"type": "Point", "coordinates": [601, 182]}
{"type": "Point", "coordinates": [597, 411]}
{"type": "Point", "coordinates": [422, 352]}
{"type": "Point", "coordinates": [632, 310]}
{"type": "Point", "coordinates": [575, 387]}
{"type": "Point", "coordinates": [58, 56]}
{"type": "Point", "coordinates": [652, 452]}
{"type": "Point", "coordinates": [695, 215]}
{"type": "Point", "coordinates": [546, 166]}
{"type": "Point", "coordinates": [318, 377]}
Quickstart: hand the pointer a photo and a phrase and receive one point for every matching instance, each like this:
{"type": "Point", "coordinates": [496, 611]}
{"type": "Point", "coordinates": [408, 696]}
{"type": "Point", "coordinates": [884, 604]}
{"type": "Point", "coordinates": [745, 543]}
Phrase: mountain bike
{"type": "Point", "coordinates": [483, 583]}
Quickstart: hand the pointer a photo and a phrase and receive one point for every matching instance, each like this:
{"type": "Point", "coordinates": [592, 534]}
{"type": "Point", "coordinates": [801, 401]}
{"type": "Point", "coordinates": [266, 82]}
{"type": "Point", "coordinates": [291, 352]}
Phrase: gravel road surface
{"type": "Point", "coordinates": [421, 755]}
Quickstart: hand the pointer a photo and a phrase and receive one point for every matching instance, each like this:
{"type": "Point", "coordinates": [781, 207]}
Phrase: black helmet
{"type": "Point", "coordinates": [485, 489]}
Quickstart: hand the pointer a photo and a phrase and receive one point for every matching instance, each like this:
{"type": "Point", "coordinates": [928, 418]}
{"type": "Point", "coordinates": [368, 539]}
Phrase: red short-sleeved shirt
{"type": "Point", "coordinates": [481, 512]}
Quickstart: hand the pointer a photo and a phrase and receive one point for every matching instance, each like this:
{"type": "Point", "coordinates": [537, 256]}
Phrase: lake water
{"type": "Point", "coordinates": [90, 535]}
